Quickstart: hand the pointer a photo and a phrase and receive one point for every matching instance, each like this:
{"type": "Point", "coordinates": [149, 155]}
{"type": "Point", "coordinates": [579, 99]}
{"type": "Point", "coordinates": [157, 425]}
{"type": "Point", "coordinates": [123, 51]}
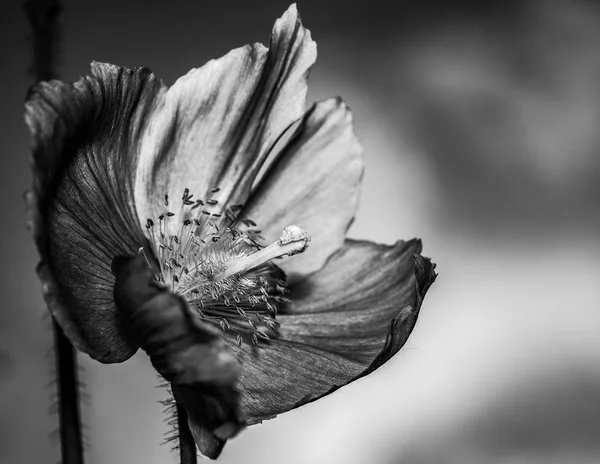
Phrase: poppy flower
{"type": "Point", "coordinates": [168, 218]}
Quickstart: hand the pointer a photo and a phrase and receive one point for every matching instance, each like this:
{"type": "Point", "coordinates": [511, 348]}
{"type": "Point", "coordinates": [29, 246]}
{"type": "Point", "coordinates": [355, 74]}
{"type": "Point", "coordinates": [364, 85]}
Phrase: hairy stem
{"type": "Point", "coordinates": [187, 446]}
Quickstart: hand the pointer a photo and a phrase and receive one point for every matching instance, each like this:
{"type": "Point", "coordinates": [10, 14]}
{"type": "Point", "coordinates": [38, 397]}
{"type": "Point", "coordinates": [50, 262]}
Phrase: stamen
{"type": "Point", "coordinates": [293, 240]}
{"type": "Point", "coordinates": [142, 251]}
{"type": "Point", "coordinates": [218, 266]}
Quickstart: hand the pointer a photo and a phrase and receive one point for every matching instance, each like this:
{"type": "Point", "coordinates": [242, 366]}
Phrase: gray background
{"type": "Point", "coordinates": [480, 124]}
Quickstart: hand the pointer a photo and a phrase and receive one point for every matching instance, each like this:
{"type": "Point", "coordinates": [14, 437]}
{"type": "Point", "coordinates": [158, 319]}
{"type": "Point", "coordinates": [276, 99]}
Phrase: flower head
{"type": "Point", "coordinates": [166, 220]}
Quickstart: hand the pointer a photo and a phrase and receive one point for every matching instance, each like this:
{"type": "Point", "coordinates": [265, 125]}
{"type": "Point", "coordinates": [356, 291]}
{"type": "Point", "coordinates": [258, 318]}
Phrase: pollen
{"type": "Point", "coordinates": [203, 252]}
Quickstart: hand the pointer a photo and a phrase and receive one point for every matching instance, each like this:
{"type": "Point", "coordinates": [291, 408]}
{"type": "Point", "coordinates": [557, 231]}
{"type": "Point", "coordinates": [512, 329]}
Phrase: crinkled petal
{"type": "Point", "coordinates": [348, 319]}
{"type": "Point", "coordinates": [218, 123]}
{"type": "Point", "coordinates": [82, 214]}
{"type": "Point", "coordinates": [314, 184]}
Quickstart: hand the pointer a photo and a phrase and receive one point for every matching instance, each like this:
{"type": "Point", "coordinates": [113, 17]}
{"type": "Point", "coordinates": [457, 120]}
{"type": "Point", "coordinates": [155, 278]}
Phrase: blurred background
{"type": "Point", "coordinates": [480, 124]}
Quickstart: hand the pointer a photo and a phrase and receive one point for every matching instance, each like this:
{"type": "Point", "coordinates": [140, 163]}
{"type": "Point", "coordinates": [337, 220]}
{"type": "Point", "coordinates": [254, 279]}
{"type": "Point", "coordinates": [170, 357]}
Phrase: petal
{"type": "Point", "coordinates": [314, 184]}
{"type": "Point", "coordinates": [84, 143]}
{"type": "Point", "coordinates": [375, 295]}
{"type": "Point", "coordinates": [218, 123]}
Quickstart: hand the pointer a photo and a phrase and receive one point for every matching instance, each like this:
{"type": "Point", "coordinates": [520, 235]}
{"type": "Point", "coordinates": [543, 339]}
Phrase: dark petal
{"type": "Point", "coordinates": [313, 183]}
{"type": "Point", "coordinates": [360, 309]}
{"type": "Point", "coordinates": [82, 213]}
{"type": "Point", "coordinates": [219, 122]}
{"type": "Point", "coordinates": [190, 355]}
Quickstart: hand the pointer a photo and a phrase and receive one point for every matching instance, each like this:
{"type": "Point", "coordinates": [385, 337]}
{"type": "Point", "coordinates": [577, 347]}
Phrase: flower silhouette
{"type": "Point", "coordinates": [160, 214]}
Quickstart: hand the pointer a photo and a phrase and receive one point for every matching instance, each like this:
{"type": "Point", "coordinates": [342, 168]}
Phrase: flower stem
{"type": "Point", "coordinates": [187, 446]}
{"type": "Point", "coordinates": [68, 399]}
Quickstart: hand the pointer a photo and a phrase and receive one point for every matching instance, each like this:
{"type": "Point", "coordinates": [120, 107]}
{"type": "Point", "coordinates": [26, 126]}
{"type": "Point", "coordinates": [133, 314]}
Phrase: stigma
{"type": "Point", "coordinates": [218, 264]}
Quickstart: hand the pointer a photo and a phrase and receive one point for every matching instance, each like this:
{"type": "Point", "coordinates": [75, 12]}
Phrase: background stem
{"type": "Point", "coordinates": [43, 16]}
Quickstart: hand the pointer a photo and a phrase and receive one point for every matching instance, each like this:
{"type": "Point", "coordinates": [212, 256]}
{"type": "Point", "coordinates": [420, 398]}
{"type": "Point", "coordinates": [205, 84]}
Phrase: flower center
{"type": "Point", "coordinates": [216, 263]}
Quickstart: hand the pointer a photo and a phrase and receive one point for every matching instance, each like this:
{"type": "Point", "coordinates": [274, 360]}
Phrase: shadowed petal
{"type": "Point", "coordinates": [81, 205]}
{"type": "Point", "coordinates": [314, 184]}
{"type": "Point", "coordinates": [218, 123]}
{"type": "Point", "coordinates": [375, 292]}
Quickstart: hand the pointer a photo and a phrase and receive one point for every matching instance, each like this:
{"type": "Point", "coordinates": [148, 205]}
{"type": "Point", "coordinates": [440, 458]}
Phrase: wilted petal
{"type": "Point", "coordinates": [359, 311]}
{"type": "Point", "coordinates": [217, 124]}
{"type": "Point", "coordinates": [190, 355]}
{"type": "Point", "coordinates": [84, 143]}
{"type": "Point", "coordinates": [314, 184]}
